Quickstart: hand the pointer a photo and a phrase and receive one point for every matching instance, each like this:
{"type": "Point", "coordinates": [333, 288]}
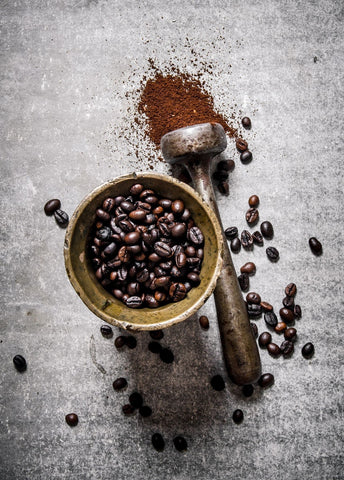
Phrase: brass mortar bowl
{"type": "Point", "coordinates": [81, 272]}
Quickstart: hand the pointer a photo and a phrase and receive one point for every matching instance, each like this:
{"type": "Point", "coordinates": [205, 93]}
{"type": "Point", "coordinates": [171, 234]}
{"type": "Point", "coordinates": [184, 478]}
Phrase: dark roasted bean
{"type": "Point", "coordinates": [267, 230]}
{"type": "Point", "coordinates": [204, 322]}
{"type": "Point", "coordinates": [290, 290]}
{"type": "Point", "coordinates": [137, 214]}
{"type": "Point", "coordinates": [131, 341]}
{"type": "Point", "coordinates": [287, 348]}
{"type": "Point", "coordinates": [177, 207]}
{"type": "Point", "coordinates": [223, 187]}
{"type": "Point", "coordinates": [244, 282]}
{"type": "Point", "coordinates": [165, 203]}
{"type": "Point", "coordinates": [273, 349]}
{"type": "Point", "coordinates": [51, 206]}
{"type": "Point", "coordinates": [180, 444]}
{"type": "Point", "coordinates": [266, 306]}
{"type": "Point", "coordinates": [286, 315]}
{"type": "Point", "coordinates": [166, 355]}
{"type": "Point", "coordinates": [154, 347]}
{"type": "Point", "coordinates": [246, 122]}
{"type": "Point", "coordinates": [61, 218]}
{"type": "Point", "coordinates": [178, 230]}
{"type": "Point", "coordinates": [231, 232]}
{"type": "Point", "coordinates": [235, 245]}
{"type": "Point", "coordinates": [253, 201]}
{"type": "Point", "coordinates": [127, 207]}
{"type": "Point", "coordinates": [258, 238]}
{"type": "Point", "coordinates": [254, 310]}
{"type": "Point", "coordinates": [264, 339]}
{"type": "Point", "coordinates": [246, 157]}
{"type": "Point", "coordinates": [135, 400]}
{"type": "Point", "coordinates": [308, 350]}
{"type": "Point", "coordinates": [72, 419]}
{"type": "Point", "coordinates": [246, 239]}
{"type": "Point", "coordinates": [104, 233]}
{"type": "Point", "coordinates": [180, 260]}
{"type": "Point", "coordinates": [270, 319]}
{"type": "Point", "coordinates": [252, 216]}
{"type": "Point", "coordinates": [266, 380]}
{"type": "Point", "coordinates": [195, 236]}
{"type": "Point", "coordinates": [106, 331]}
{"type": "Point", "coordinates": [134, 302]}
{"type": "Point", "coordinates": [120, 341]}
{"type": "Point", "coordinates": [227, 165]}
{"type": "Point", "coordinates": [217, 383]}
{"type": "Point", "coordinates": [315, 246]}
{"type": "Point", "coordinates": [249, 268]}
{"type": "Point", "coordinates": [177, 292]}
{"type": "Point", "coordinates": [193, 278]}
{"type": "Point", "coordinates": [238, 416]}
{"type": "Point", "coordinates": [119, 383]}
{"type": "Point", "coordinates": [102, 214]}
{"type": "Point", "coordinates": [272, 254]}
{"type": "Point", "coordinates": [254, 329]}
{"type": "Point", "coordinates": [109, 204]}
{"type": "Point", "coordinates": [136, 189]}
{"type": "Point", "coordinates": [248, 390]}
{"type": "Point", "coordinates": [162, 249]}
{"type": "Point", "coordinates": [220, 175]}
{"type": "Point", "coordinates": [128, 409]}
{"type": "Point", "coordinates": [297, 311]}
{"type": "Point", "coordinates": [156, 334]}
{"type": "Point", "coordinates": [19, 363]}
{"type": "Point", "coordinates": [290, 334]}
{"type": "Point", "coordinates": [110, 249]}
{"type": "Point", "coordinates": [280, 327]}
{"type": "Point", "coordinates": [253, 297]}
{"type": "Point", "coordinates": [145, 411]}
{"type": "Point", "coordinates": [132, 238]}
{"type": "Point", "coordinates": [288, 302]}
{"type": "Point", "coordinates": [241, 144]}
{"type": "Point", "coordinates": [151, 302]}
{"type": "Point", "coordinates": [158, 442]}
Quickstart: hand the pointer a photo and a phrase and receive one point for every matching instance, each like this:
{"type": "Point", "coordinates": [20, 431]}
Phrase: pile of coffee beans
{"type": "Point", "coordinates": [146, 249]}
{"type": "Point", "coordinates": [53, 207]}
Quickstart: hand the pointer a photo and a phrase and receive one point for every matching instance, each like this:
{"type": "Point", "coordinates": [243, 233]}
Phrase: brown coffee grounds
{"type": "Point", "coordinates": [174, 101]}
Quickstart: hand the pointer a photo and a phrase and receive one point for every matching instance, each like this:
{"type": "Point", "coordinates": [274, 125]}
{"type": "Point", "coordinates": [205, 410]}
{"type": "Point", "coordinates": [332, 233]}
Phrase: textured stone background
{"type": "Point", "coordinates": [69, 73]}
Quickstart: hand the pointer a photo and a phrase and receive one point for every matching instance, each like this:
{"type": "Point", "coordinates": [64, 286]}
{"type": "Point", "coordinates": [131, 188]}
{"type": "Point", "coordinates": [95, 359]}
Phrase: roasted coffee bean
{"type": "Point", "coordinates": [249, 268]}
{"type": "Point", "coordinates": [162, 281]}
{"type": "Point", "coordinates": [288, 302]}
{"type": "Point", "coordinates": [246, 122]}
{"type": "Point", "coordinates": [158, 210]}
{"type": "Point", "coordinates": [195, 236]}
{"type": "Point", "coordinates": [160, 296]}
{"type": "Point", "coordinates": [166, 355]}
{"type": "Point", "coordinates": [122, 276]}
{"type": "Point", "coordinates": [119, 384]}
{"type": "Point", "coordinates": [180, 260]}
{"type": "Point", "coordinates": [177, 292]}
{"type": "Point", "coordinates": [193, 278]}
{"type": "Point", "coordinates": [178, 230]}
{"type": "Point", "coordinates": [290, 290]}
{"type": "Point", "coordinates": [241, 144]}
{"type": "Point", "coordinates": [104, 234]}
{"type": "Point", "coordinates": [177, 207]}
{"type": "Point", "coordinates": [204, 322]}
{"type": "Point", "coordinates": [235, 245]}
{"type": "Point", "coordinates": [120, 341]}
{"type": "Point", "coordinates": [266, 380]}
{"type": "Point", "coordinates": [61, 218]}
{"type": "Point", "coordinates": [244, 282]}
{"type": "Point", "coordinates": [315, 246]}
{"type": "Point", "coordinates": [286, 315]}
{"type": "Point", "coordinates": [253, 297]}
{"type": "Point", "coordinates": [151, 199]}
{"type": "Point", "coordinates": [258, 238]}
{"type": "Point", "coordinates": [145, 411]}
{"type": "Point", "coordinates": [238, 416]}
{"type": "Point", "coordinates": [106, 331]}
{"type": "Point", "coordinates": [266, 306]}
{"type": "Point", "coordinates": [135, 400]}
{"type": "Point", "coordinates": [154, 347]}
{"type": "Point", "coordinates": [290, 334]}
{"type": "Point", "coordinates": [51, 206]}
{"type": "Point", "coordinates": [156, 334]}
{"type": "Point", "coordinates": [252, 216]}
{"type": "Point", "coordinates": [308, 350]}
{"type": "Point", "coordinates": [124, 254]}
{"type": "Point", "coordinates": [110, 249]}
{"type": "Point", "coordinates": [127, 207]}
{"type": "Point", "coordinates": [264, 339]}
{"type": "Point", "coordinates": [254, 329]}
{"type": "Point", "coordinates": [223, 187]}
{"type": "Point", "coordinates": [267, 230]}
{"type": "Point", "coordinates": [246, 157]}
{"type": "Point", "coordinates": [131, 342]}
{"type": "Point", "coordinates": [143, 275]}
{"type": "Point", "coordinates": [19, 363]}
{"type": "Point", "coordinates": [158, 442]}
{"type": "Point", "coordinates": [72, 419]}
{"type": "Point", "coordinates": [253, 201]}
{"type": "Point", "coordinates": [246, 239]}
{"type": "Point", "coordinates": [270, 319]}
{"type": "Point", "coordinates": [272, 254]}
{"type": "Point", "coordinates": [248, 390]}
{"type": "Point", "coordinates": [185, 216]}
{"type": "Point", "coordinates": [217, 383]}
{"type": "Point", "coordinates": [118, 200]}
{"type": "Point", "coordinates": [180, 444]}
{"type": "Point", "coordinates": [136, 189]}
{"type": "Point", "coordinates": [297, 311]}
{"type": "Point", "coordinates": [190, 251]}
{"type": "Point", "coordinates": [287, 348]}
{"type": "Point", "coordinates": [109, 204]}
{"type": "Point", "coordinates": [128, 409]}
{"type": "Point", "coordinates": [220, 175]}
{"type": "Point", "coordinates": [254, 310]}
{"type": "Point", "coordinates": [138, 214]}
{"type": "Point", "coordinates": [227, 165]}
{"type": "Point", "coordinates": [273, 349]}
{"type": "Point", "coordinates": [151, 302]}
{"type": "Point", "coordinates": [102, 214]}
{"type": "Point", "coordinates": [162, 249]}
{"type": "Point", "coordinates": [231, 232]}
{"type": "Point", "coordinates": [132, 238]}
{"type": "Point", "coordinates": [280, 327]}
{"type": "Point", "coordinates": [134, 302]}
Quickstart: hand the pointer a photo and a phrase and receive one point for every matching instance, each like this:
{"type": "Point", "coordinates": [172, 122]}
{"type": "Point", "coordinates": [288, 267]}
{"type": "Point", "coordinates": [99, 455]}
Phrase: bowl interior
{"type": "Point", "coordinates": [81, 273]}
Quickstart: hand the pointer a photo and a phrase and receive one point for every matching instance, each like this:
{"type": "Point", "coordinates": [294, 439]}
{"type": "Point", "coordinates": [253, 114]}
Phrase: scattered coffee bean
{"type": "Point", "coordinates": [258, 238]}
{"type": "Point", "coordinates": [266, 380]}
{"type": "Point", "coordinates": [158, 442]}
{"type": "Point", "coordinates": [254, 329]}
{"type": "Point", "coordinates": [166, 355]}
{"type": "Point", "coordinates": [180, 444]}
{"type": "Point", "coordinates": [145, 411]}
{"type": "Point", "coordinates": [246, 157]}
{"type": "Point", "coordinates": [287, 348]}
{"type": "Point", "coordinates": [220, 175]}
{"type": "Point", "coordinates": [253, 201]}
{"type": "Point", "coordinates": [119, 384]}
{"type": "Point", "coordinates": [241, 144]}
{"type": "Point", "coordinates": [315, 246]}
{"type": "Point", "coordinates": [286, 315]}
{"type": "Point", "coordinates": [19, 363]}
{"type": "Point", "coordinates": [217, 383]}
{"type": "Point", "coordinates": [51, 206]}
{"type": "Point", "coordinates": [231, 232]}
{"type": "Point", "coordinates": [247, 390]}
{"type": "Point", "coordinates": [106, 331]}
{"type": "Point", "coordinates": [246, 122]}
{"type": "Point", "coordinates": [267, 307]}
{"type": "Point", "coordinates": [227, 165]}
{"type": "Point", "coordinates": [264, 339]}
{"type": "Point", "coordinates": [135, 400]}
{"type": "Point", "coordinates": [270, 319]}
{"type": "Point", "coordinates": [238, 416]}
{"type": "Point", "coordinates": [308, 350]}
{"type": "Point", "coordinates": [157, 334]}
{"type": "Point", "coordinates": [297, 311]}
{"type": "Point", "coordinates": [235, 245]}
{"type": "Point", "coordinates": [246, 239]}
{"type": "Point", "coordinates": [120, 341]}
{"type": "Point", "coordinates": [267, 230]}
{"type": "Point", "coordinates": [72, 419]}
{"type": "Point", "coordinates": [280, 327]}
{"type": "Point", "coordinates": [290, 333]}
{"type": "Point", "coordinates": [154, 347]}
{"type": "Point", "coordinates": [254, 310]}
{"type": "Point", "coordinates": [244, 281]}
{"type": "Point", "coordinates": [273, 349]}
{"type": "Point", "coordinates": [223, 187]}
{"type": "Point", "coordinates": [272, 254]}
{"type": "Point", "coordinates": [249, 268]}
{"type": "Point", "coordinates": [204, 322]}
{"type": "Point", "coordinates": [61, 218]}
{"type": "Point", "coordinates": [288, 302]}
{"type": "Point", "coordinates": [253, 297]}
{"type": "Point", "coordinates": [252, 216]}
{"type": "Point", "coordinates": [290, 290]}
{"type": "Point", "coordinates": [128, 409]}
{"type": "Point", "coordinates": [131, 342]}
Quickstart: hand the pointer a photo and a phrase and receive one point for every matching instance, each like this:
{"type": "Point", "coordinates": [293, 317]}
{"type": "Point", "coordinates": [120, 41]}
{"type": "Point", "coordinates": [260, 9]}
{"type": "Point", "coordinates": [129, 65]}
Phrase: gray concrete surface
{"type": "Point", "coordinates": [69, 73]}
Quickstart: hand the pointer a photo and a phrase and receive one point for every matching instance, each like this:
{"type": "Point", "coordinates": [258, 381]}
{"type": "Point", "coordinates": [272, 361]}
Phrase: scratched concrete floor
{"type": "Point", "coordinates": [69, 76]}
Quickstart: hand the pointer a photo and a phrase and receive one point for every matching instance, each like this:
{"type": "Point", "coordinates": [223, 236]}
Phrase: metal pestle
{"type": "Point", "coordinates": [196, 146]}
